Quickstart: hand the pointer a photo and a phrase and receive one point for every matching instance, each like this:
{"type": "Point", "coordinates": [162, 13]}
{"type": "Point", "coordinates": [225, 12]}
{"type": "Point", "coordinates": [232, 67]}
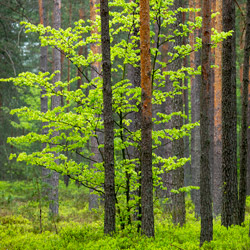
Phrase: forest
{"type": "Point", "coordinates": [124, 124]}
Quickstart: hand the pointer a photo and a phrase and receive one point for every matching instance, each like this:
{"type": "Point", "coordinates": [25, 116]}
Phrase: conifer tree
{"type": "Point", "coordinates": [217, 179]}
{"type": "Point", "coordinates": [229, 213]}
{"type": "Point", "coordinates": [109, 182]}
{"type": "Point", "coordinates": [205, 179]}
{"type": "Point", "coordinates": [245, 114]}
{"type": "Point", "coordinates": [147, 223]}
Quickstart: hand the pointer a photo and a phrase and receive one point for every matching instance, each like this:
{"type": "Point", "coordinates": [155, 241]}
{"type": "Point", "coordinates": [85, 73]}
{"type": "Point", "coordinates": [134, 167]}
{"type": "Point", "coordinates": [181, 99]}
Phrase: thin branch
{"type": "Point", "coordinates": [176, 247]}
{"type": "Point", "coordinates": [12, 63]}
{"type": "Point", "coordinates": [241, 12]}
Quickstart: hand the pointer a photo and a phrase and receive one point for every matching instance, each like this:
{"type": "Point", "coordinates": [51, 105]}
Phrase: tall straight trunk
{"type": "Point", "coordinates": [55, 102]}
{"type": "Point", "coordinates": [195, 61]}
{"type": "Point", "coordinates": [217, 178]}
{"type": "Point", "coordinates": [248, 142]}
{"type": "Point", "coordinates": [66, 177]}
{"type": "Point", "coordinates": [211, 126]}
{"type": "Point", "coordinates": [147, 223]}
{"type": "Point", "coordinates": [134, 75]}
{"type": "Point", "coordinates": [178, 209]}
{"type": "Point", "coordinates": [168, 109]}
{"type": "Point", "coordinates": [229, 214]}
{"type": "Point", "coordinates": [109, 182]}
{"type": "Point", "coordinates": [187, 167]}
{"type": "Point", "coordinates": [160, 150]}
{"type": "Point", "coordinates": [244, 142]}
{"type": "Point", "coordinates": [205, 184]}
{"type": "Point", "coordinates": [43, 98]}
{"type": "Point", "coordinates": [95, 69]}
{"type": "Point", "coordinates": [234, 115]}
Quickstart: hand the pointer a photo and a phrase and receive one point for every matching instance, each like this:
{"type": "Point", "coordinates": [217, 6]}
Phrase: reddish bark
{"type": "Point", "coordinates": [146, 129]}
{"type": "Point", "coordinates": [217, 178]}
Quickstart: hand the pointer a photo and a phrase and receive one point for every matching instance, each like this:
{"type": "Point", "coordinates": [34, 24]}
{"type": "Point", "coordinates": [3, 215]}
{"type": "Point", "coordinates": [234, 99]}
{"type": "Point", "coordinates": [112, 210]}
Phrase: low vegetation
{"type": "Point", "coordinates": [25, 224]}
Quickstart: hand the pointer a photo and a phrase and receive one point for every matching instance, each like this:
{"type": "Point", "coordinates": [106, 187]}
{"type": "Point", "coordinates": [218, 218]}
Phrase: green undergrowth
{"type": "Point", "coordinates": [77, 228]}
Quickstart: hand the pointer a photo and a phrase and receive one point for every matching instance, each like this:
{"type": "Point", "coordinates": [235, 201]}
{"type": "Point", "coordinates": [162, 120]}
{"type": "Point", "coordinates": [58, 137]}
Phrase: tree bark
{"type": "Point", "coordinates": [168, 109]}
{"type": "Point", "coordinates": [178, 209]}
{"type": "Point", "coordinates": [244, 142]}
{"type": "Point", "coordinates": [109, 182]}
{"type": "Point", "coordinates": [229, 214]}
{"type": "Point", "coordinates": [43, 98]}
{"type": "Point", "coordinates": [66, 178]}
{"type": "Point", "coordinates": [205, 184]}
{"type": "Point", "coordinates": [55, 102]}
{"type": "Point", "coordinates": [146, 128]}
{"type": "Point", "coordinates": [187, 167]}
{"type": "Point", "coordinates": [195, 61]}
{"type": "Point", "coordinates": [217, 178]}
{"type": "Point", "coordinates": [248, 141]}
{"type": "Point", "coordinates": [95, 69]}
{"type": "Point", "coordinates": [134, 75]}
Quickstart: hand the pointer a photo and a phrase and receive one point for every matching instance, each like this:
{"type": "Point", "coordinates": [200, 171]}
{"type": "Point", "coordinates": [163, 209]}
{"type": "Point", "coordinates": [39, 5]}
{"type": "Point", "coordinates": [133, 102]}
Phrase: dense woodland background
{"type": "Point", "coordinates": [132, 140]}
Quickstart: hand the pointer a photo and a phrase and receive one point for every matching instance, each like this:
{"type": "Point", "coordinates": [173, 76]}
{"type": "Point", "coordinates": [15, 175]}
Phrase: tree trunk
{"type": "Point", "coordinates": [146, 128]}
{"type": "Point", "coordinates": [95, 69]}
{"type": "Point", "coordinates": [229, 214]}
{"type": "Point", "coordinates": [187, 167]}
{"type": "Point", "coordinates": [195, 61]}
{"type": "Point", "coordinates": [248, 140]}
{"type": "Point", "coordinates": [168, 109]}
{"type": "Point", "coordinates": [217, 178]}
{"type": "Point", "coordinates": [55, 102]}
{"type": "Point", "coordinates": [44, 99]}
{"type": "Point", "coordinates": [205, 184]}
{"type": "Point", "coordinates": [109, 182]}
{"type": "Point", "coordinates": [244, 142]}
{"type": "Point", "coordinates": [134, 75]}
{"type": "Point", "coordinates": [178, 209]}
{"type": "Point", "coordinates": [66, 178]}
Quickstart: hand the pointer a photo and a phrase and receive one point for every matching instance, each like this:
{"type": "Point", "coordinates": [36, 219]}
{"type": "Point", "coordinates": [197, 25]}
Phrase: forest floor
{"type": "Point", "coordinates": [24, 224]}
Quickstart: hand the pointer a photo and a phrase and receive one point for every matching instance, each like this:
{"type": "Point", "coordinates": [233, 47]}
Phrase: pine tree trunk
{"type": "Point", "coordinates": [168, 109]}
{"type": "Point", "coordinates": [217, 178]}
{"type": "Point", "coordinates": [146, 129]}
{"type": "Point", "coordinates": [134, 75]}
{"type": "Point", "coordinates": [248, 142]}
{"type": "Point", "coordinates": [95, 69]}
{"type": "Point", "coordinates": [44, 99]}
{"type": "Point", "coordinates": [205, 184]}
{"type": "Point", "coordinates": [160, 150]}
{"type": "Point", "coordinates": [195, 61]}
{"type": "Point", "coordinates": [55, 102]}
{"type": "Point", "coordinates": [187, 167]}
{"type": "Point", "coordinates": [178, 209]}
{"type": "Point", "coordinates": [109, 182]}
{"type": "Point", "coordinates": [244, 142]}
{"type": "Point", "coordinates": [229, 214]}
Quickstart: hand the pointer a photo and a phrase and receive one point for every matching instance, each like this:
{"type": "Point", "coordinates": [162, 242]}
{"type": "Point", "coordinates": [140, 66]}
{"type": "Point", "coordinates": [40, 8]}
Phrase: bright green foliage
{"type": "Point", "coordinates": [80, 119]}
